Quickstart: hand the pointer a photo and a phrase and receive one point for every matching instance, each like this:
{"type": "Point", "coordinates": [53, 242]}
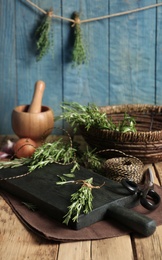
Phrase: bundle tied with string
{"type": "Point", "coordinates": [145, 143]}
{"type": "Point", "coordinates": [127, 166]}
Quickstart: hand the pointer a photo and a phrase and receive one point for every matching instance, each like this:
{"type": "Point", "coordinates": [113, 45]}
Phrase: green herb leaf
{"type": "Point", "coordinates": [69, 175]}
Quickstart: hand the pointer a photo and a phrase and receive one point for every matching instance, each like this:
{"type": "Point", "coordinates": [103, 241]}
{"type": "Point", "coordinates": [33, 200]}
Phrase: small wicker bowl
{"type": "Point", "coordinates": [145, 144]}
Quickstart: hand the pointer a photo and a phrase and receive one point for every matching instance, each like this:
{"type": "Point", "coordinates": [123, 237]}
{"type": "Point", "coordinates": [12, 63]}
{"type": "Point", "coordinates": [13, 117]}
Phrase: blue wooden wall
{"type": "Point", "coordinates": [124, 55]}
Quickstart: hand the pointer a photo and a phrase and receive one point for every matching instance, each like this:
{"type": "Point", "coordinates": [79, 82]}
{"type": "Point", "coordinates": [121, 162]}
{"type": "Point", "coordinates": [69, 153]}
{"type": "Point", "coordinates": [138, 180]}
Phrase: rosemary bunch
{"type": "Point", "coordinates": [77, 115]}
{"type": "Point", "coordinates": [81, 201]}
{"type": "Point", "coordinates": [42, 34]}
{"type": "Point", "coordinates": [56, 152]}
{"type": "Point", "coordinates": [79, 53]}
{"type": "Point", "coordinates": [90, 116]}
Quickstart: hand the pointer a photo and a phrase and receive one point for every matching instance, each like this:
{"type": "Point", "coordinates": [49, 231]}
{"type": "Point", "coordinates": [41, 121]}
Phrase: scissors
{"type": "Point", "coordinates": [149, 198]}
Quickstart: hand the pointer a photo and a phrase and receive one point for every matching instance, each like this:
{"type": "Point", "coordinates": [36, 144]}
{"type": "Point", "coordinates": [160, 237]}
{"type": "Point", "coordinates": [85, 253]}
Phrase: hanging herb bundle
{"type": "Point", "coordinates": [79, 53]}
{"type": "Point", "coordinates": [42, 35]}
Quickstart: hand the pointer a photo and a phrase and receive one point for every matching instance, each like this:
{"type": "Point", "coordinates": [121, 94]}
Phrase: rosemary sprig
{"type": "Point", "coordinates": [42, 34]}
{"type": "Point", "coordinates": [14, 163]}
{"type": "Point", "coordinates": [90, 160]}
{"type": "Point", "coordinates": [90, 116]}
{"type": "Point", "coordinates": [56, 152]}
{"type": "Point", "coordinates": [81, 201]}
{"type": "Point", "coordinates": [79, 53]}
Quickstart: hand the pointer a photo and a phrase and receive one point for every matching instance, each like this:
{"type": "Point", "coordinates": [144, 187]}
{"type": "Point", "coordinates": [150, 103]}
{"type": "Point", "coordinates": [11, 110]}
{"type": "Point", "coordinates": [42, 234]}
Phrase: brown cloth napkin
{"type": "Point", "coordinates": [50, 229]}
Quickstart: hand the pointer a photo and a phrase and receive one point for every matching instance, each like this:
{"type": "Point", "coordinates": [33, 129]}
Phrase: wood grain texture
{"type": "Point", "coordinates": [7, 64]}
{"type": "Point", "coordinates": [109, 249]}
{"type": "Point", "coordinates": [158, 169]}
{"type": "Point", "coordinates": [77, 250]}
{"type": "Point", "coordinates": [49, 69]}
{"type": "Point", "coordinates": [158, 87]}
{"type": "Point", "coordinates": [17, 243]}
{"type": "Point", "coordinates": [124, 55]}
{"type": "Point", "coordinates": [150, 248]}
{"type": "Point", "coordinates": [132, 66]}
{"type": "Point", "coordinates": [89, 83]}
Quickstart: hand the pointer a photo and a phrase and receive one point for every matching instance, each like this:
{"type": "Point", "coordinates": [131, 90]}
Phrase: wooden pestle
{"type": "Point", "coordinates": [36, 104]}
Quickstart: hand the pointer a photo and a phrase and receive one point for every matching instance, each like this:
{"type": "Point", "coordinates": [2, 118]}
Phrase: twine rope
{"type": "Point", "coordinates": [95, 18]}
{"type": "Point", "coordinates": [15, 177]}
{"type": "Point", "coordinates": [52, 15]}
{"type": "Point", "coordinates": [88, 185]}
{"type": "Point", "coordinates": [118, 151]}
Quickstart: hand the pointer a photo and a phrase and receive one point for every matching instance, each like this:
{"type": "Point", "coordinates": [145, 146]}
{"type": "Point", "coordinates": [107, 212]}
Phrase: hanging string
{"type": "Point", "coordinates": [121, 13]}
{"type": "Point", "coordinates": [96, 18]}
{"type": "Point", "coordinates": [52, 15]}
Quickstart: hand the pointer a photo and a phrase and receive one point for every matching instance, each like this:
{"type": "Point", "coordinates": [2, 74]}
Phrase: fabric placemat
{"type": "Point", "coordinates": [47, 227]}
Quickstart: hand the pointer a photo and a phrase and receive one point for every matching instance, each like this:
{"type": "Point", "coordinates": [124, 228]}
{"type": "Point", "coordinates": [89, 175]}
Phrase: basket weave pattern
{"type": "Point", "coordinates": [146, 143]}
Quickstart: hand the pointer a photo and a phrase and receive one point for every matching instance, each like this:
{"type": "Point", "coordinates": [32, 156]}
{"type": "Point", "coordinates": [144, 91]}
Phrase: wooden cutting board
{"type": "Point", "coordinates": [111, 200]}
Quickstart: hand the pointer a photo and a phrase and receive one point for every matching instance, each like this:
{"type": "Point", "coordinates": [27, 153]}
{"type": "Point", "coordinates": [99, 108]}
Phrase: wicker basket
{"type": "Point", "coordinates": [145, 144]}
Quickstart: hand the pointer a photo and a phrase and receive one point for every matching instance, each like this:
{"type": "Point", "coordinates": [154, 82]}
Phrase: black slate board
{"type": "Point", "coordinates": [39, 188]}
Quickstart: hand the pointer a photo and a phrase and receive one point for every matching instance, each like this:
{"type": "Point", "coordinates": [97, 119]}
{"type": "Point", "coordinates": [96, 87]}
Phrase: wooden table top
{"type": "Point", "coordinates": [18, 243]}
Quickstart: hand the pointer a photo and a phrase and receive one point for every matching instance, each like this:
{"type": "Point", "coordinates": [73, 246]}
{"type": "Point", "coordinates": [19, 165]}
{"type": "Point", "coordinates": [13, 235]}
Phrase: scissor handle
{"type": "Point", "coordinates": [154, 201]}
{"type": "Point", "coordinates": [149, 199]}
{"type": "Point", "coordinates": [131, 186]}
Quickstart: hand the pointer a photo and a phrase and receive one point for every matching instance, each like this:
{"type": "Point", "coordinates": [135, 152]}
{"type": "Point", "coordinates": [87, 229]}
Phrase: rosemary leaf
{"type": "Point", "coordinates": [69, 175]}
{"type": "Point", "coordinates": [14, 163]}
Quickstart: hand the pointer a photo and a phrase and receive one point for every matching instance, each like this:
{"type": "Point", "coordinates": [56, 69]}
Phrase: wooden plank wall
{"type": "Point", "coordinates": [124, 55]}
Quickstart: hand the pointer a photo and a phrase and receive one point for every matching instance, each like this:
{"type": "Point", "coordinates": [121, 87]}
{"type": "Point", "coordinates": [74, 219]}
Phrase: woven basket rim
{"type": "Point", "coordinates": [139, 136]}
{"type": "Point", "coordinates": [132, 107]}
{"type": "Point", "coordinates": [155, 134]}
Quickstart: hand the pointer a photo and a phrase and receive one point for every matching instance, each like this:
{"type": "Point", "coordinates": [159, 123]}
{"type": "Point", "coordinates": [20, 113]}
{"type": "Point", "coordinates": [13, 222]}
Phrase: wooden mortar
{"type": "Point", "coordinates": [33, 121]}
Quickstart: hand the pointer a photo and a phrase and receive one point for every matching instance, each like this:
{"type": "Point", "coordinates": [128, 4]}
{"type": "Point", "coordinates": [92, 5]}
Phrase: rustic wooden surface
{"type": "Point", "coordinates": [124, 55]}
{"type": "Point", "coordinates": [17, 243]}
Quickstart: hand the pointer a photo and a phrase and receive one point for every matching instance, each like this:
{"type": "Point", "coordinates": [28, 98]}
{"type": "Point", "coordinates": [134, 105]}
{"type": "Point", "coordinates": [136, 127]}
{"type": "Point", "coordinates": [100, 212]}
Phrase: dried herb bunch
{"type": "Point", "coordinates": [81, 200]}
{"type": "Point", "coordinates": [79, 53]}
{"type": "Point", "coordinates": [90, 116]}
{"type": "Point", "coordinates": [42, 35]}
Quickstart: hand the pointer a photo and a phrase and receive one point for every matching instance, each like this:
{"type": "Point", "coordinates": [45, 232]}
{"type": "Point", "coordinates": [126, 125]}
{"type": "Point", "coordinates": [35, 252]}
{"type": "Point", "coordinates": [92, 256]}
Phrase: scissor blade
{"type": "Point", "coordinates": [149, 179]}
{"type": "Point", "coordinates": [151, 176]}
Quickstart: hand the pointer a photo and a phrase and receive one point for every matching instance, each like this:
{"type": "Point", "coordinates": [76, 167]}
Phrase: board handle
{"type": "Point", "coordinates": [135, 221]}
